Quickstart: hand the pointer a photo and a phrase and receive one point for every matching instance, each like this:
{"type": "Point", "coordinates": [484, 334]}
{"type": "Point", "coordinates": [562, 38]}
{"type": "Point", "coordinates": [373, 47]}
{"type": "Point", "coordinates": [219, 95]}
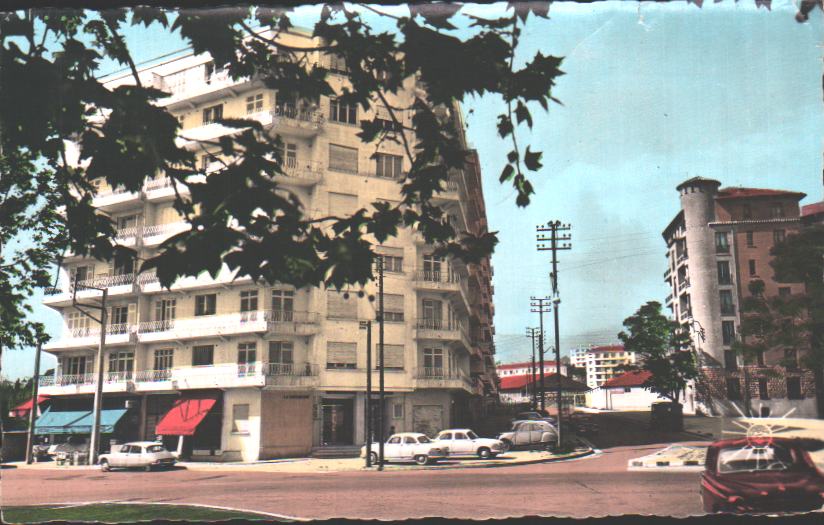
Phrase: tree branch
{"type": "Point", "coordinates": [122, 44]}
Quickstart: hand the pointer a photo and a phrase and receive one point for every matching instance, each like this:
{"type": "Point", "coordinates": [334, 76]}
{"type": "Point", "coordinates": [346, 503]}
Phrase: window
{"type": "Point", "coordinates": [75, 365]}
{"type": "Point", "coordinates": [288, 155]}
{"type": "Point", "coordinates": [246, 357]}
{"type": "Point", "coordinates": [343, 159]}
{"type": "Point", "coordinates": [790, 358]}
{"type": "Point", "coordinates": [392, 356]}
{"type": "Point", "coordinates": [341, 355]}
{"type": "Point", "coordinates": [409, 440]}
{"type": "Point", "coordinates": [394, 440]}
{"type": "Point", "coordinates": [397, 411]}
{"type": "Point", "coordinates": [433, 362]}
{"type": "Point", "coordinates": [722, 242]}
{"type": "Point", "coordinates": [164, 359]}
{"type": "Point", "coordinates": [388, 166]}
{"type": "Point", "coordinates": [733, 389]}
{"type": "Point", "coordinates": [730, 360]}
{"type": "Point", "coordinates": [341, 305]}
{"type": "Point", "coordinates": [212, 114]}
{"type": "Point", "coordinates": [784, 291]}
{"type": "Point", "coordinates": [342, 112]}
{"type": "Point", "coordinates": [724, 276]}
{"type": "Point", "coordinates": [78, 324]}
{"type": "Point", "coordinates": [121, 365]}
{"type": "Point", "coordinates": [727, 306]}
{"type": "Point", "coordinates": [283, 305]}
{"type": "Point", "coordinates": [393, 307]}
{"type": "Point", "coordinates": [392, 263]}
{"type": "Point", "coordinates": [203, 355]}
{"type": "Point", "coordinates": [777, 211]}
{"type": "Point", "coordinates": [281, 353]}
{"type": "Point", "coordinates": [337, 64]}
{"type": "Point", "coordinates": [794, 388]}
{"type": "Point", "coordinates": [727, 332]}
{"type": "Point", "coordinates": [752, 267]}
{"type": "Point", "coordinates": [205, 304]}
{"type": "Point", "coordinates": [750, 239]}
{"type": "Point", "coordinates": [81, 273]}
{"type": "Point", "coordinates": [432, 266]}
{"type": "Point", "coordinates": [165, 311]}
{"type": "Point", "coordinates": [627, 389]}
{"type": "Point", "coordinates": [126, 221]}
{"type": "Point", "coordinates": [248, 305]}
{"type": "Point", "coordinates": [119, 321]}
{"type": "Point", "coordinates": [432, 315]}
{"type": "Point", "coordinates": [342, 204]}
{"type": "Point", "coordinates": [779, 236]}
{"type": "Point", "coordinates": [254, 103]}
{"type": "Point", "coordinates": [240, 419]}
{"type": "Point", "coordinates": [121, 265]}
{"type": "Point", "coordinates": [389, 125]}
{"type": "Point", "coordinates": [763, 392]}
{"type": "Point", "coordinates": [746, 211]}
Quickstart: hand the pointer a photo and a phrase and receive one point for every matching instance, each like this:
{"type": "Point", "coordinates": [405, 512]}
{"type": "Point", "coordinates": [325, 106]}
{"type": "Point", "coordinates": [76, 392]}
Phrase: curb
{"type": "Point", "coordinates": [581, 454]}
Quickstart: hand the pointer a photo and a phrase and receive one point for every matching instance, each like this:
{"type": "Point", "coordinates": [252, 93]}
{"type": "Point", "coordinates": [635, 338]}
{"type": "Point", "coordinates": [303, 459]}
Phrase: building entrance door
{"type": "Point", "coordinates": [338, 422]}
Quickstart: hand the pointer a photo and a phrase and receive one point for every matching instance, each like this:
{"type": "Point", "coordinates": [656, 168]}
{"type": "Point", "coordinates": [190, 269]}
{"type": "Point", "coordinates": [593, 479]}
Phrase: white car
{"type": "Point", "coordinates": [137, 454]}
{"type": "Point", "coordinates": [530, 433]}
{"type": "Point", "coordinates": [408, 446]}
{"type": "Point", "coordinates": [465, 442]}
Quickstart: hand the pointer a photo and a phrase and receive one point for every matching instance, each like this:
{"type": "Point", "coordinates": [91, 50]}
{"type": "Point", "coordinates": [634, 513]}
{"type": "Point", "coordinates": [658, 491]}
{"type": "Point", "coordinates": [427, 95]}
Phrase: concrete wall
{"type": "Point", "coordinates": [286, 424]}
{"type": "Point", "coordinates": [241, 444]}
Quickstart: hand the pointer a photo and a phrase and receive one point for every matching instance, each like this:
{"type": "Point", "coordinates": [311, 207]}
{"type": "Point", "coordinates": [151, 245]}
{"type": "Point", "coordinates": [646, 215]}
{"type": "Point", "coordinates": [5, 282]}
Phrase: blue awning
{"type": "Point", "coordinates": [77, 422]}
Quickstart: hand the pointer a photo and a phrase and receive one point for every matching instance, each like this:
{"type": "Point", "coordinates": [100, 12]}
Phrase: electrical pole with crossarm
{"type": "Point", "coordinates": [540, 305]}
{"type": "Point", "coordinates": [532, 333]}
{"type": "Point", "coordinates": [558, 241]}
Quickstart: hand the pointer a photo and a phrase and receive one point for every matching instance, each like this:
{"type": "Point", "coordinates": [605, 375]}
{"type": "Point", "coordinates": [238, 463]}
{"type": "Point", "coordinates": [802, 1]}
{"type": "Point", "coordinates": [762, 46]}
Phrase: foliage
{"type": "Point", "coordinates": [13, 393]}
{"type": "Point", "coordinates": [240, 215]}
{"type": "Point", "coordinates": [662, 348]}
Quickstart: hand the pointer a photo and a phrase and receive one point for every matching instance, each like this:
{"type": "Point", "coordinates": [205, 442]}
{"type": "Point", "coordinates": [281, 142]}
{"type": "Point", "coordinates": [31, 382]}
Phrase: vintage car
{"type": "Point", "coordinates": [762, 475]}
{"type": "Point", "coordinates": [529, 434]}
{"type": "Point", "coordinates": [533, 416]}
{"type": "Point", "coordinates": [408, 446]}
{"type": "Point", "coordinates": [465, 442]}
{"type": "Point", "coordinates": [146, 455]}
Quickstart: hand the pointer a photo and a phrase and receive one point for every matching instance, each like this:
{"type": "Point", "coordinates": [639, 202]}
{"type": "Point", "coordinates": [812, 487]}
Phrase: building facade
{"type": "Point", "coordinates": [525, 369]}
{"type": "Point", "coordinates": [283, 369]}
{"type": "Point", "coordinates": [602, 363]}
{"type": "Point", "coordinates": [717, 244]}
{"type": "Point", "coordinates": [626, 392]}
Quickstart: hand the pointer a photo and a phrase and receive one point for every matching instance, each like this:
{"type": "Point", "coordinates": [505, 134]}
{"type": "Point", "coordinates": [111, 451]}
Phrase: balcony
{"type": "Point", "coordinates": [162, 188]}
{"type": "Point", "coordinates": [157, 233]}
{"type": "Point", "coordinates": [291, 375]}
{"type": "Point", "coordinates": [127, 236]}
{"type": "Point", "coordinates": [297, 121]}
{"type": "Point", "coordinates": [191, 86]}
{"type": "Point", "coordinates": [89, 337]}
{"type": "Point", "coordinates": [681, 260]}
{"type": "Point", "coordinates": [261, 322]}
{"type": "Point", "coordinates": [450, 192]}
{"type": "Point", "coordinates": [116, 285]}
{"type": "Point", "coordinates": [439, 330]}
{"type": "Point", "coordinates": [300, 172]}
{"type": "Point", "coordinates": [439, 377]}
{"type": "Point", "coordinates": [149, 283]}
{"type": "Point", "coordinates": [438, 280]}
{"type": "Point", "coordinates": [683, 285]}
{"type": "Point", "coordinates": [669, 300]}
{"type": "Point", "coordinates": [113, 199]}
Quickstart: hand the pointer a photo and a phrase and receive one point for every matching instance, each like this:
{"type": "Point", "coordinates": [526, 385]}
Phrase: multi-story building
{"type": "Point", "coordinates": [578, 356]}
{"type": "Point", "coordinates": [717, 244]}
{"type": "Point", "coordinates": [251, 370]}
{"type": "Point", "coordinates": [523, 369]}
{"type": "Point", "coordinates": [602, 363]}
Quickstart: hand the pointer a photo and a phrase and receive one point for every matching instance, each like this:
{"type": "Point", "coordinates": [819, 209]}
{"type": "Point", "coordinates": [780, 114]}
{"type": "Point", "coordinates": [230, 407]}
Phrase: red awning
{"type": "Point", "coordinates": [185, 415]}
{"type": "Point", "coordinates": [23, 409]}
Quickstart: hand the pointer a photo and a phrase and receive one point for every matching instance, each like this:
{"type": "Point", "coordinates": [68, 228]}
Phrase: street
{"type": "Point", "coordinates": [598, 485]}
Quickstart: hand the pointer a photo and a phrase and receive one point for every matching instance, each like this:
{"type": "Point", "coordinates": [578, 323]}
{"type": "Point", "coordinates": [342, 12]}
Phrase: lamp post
{"type": "Point", "coordinates": [367, 325]}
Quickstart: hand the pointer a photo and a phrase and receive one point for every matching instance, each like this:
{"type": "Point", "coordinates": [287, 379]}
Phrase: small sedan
{"type": "Point", "coordinates": [530, 433]}
{"type": "Point", "coordinates": [408, 446]}
{"type": "Point", "coordinates": [146, 455]}
{"type": "Point", "coordinates": [773, 475]}
{"type": "Point", "coordinates": [465, 442]}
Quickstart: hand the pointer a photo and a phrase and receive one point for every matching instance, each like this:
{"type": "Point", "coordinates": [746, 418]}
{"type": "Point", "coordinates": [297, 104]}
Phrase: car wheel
{"type": "Point", "coordinates": [484, 453]}
{"type": "Point", "coordinates": [147, 468]}
{"type": "Point", "coordinates": [104, 465]}
{"type": "Point", "coordinates": [373, 458]}
{"type": "Point", "coordinates": [507, 445]}
{"type": "Point", "coordinates": [421, 459]}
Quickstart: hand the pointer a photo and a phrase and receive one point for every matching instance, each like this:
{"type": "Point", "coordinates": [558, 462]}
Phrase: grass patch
{"type": "Point", "coordinates": [116, 513]}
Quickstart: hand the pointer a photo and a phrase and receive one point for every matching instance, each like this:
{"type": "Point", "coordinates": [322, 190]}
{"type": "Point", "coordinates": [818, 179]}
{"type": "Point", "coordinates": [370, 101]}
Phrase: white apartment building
{"type": "Point", "coordinates": [525, 369]}
{"type": "Point", "coordinates": [247, 370]}
{"type": "Point", "coordinates": [602, 362]}
{"type": "Point", "coordinates": [578, 357]}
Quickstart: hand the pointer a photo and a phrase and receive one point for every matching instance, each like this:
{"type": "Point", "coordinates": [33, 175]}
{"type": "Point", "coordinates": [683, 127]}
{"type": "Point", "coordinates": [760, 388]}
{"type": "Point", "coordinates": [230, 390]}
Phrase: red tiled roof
{"type": "Point", "coordinates": [740, 193]}
{"type": "Point", "coordinates": [609, 348]}
{"type": "Point", "coordinates": [812, 209]}
{"type": "Point", "coordinates": [519, 382]}
{"type": "Point", "coordinates": [634, 378]}
{"type": "Point", "coordinates": [510, 366]}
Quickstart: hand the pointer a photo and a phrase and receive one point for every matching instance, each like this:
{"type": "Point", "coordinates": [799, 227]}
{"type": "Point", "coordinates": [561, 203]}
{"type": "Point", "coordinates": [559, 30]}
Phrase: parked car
{"type": "Point", "coordinates": [533, 416]}
{"type": "Point", "coordinates": [408, 446]}
{"type": "Point", "coordinates": [465, 442]}
{"type": "Point", "coordinates": [774, 475]}
{"type": "Point", "coordinates": [530, 433]}
{"type": "Point", "coordinates": [137, 454]}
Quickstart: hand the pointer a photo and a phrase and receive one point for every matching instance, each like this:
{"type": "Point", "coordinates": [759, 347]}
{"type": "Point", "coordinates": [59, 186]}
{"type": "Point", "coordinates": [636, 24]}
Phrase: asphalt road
{"type": "Point", "coordinates": [594, 486]}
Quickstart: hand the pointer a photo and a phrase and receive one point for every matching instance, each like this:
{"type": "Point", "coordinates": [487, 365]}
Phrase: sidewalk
{"type": "Point", "coordinates": [318, 465]}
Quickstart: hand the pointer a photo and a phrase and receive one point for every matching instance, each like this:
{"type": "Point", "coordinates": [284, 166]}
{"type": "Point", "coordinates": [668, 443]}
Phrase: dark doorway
{"type": "Point", "coordinates": [338, 422]}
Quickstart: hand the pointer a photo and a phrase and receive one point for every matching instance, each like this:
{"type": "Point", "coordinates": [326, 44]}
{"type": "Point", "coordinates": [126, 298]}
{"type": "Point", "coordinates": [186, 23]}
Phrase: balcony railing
{"type": "Point", "coordinates": [299, 114]}
{"type": "Point", "coordinates": [118, 377]}
{"type": "Point", "coordinates": [426, 323]}
{"type": "Point", "coordinates": [722, 248]}
{"type": "Point", "coordinates": [438, 276]}
{"type": "Point", "coordinates": [154, 375]}
{"type": "Point", "coordinates": [292, 369]}
{"type": "Point", "coordinates": [683, 284]}
{"type": "Point", "coordinates": [105, 281]}
{"type": "Point", "coordinates": [157, 184]}
{"type": "Point", "coordinates": [254, 321]}
{"type": "Point", "coordinates": [67, 379]}
{"type": "Point", "coordinates": [126, 233]}
{"type": "Point", "coordinates": [302, 169]}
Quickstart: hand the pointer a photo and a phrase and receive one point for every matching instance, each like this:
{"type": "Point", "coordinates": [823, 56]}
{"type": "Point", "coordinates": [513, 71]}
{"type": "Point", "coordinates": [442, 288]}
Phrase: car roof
{"type": "Point", "coordinates": [456, 430]}
{"type": "Point", "coordinates": [142, 443]}
{"type": "Point", "coordinates": [409, 434]}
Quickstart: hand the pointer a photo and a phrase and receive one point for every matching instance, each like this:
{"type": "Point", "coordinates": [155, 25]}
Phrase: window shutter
{"type": "Point", "coordinates": [338, 307]}
{"type": "Point", "coordinates": [343, 353]}
{"type": "Point", "coordinates": [393, 302]}
{"type": "Point", "coordinates": [132, 315]}
{"type": "Point", "coordinates": [392, 355]}
{"type": "Point", "coordinates": [342, 204]}
{"type": "Point", "coordinates": [342, 158]}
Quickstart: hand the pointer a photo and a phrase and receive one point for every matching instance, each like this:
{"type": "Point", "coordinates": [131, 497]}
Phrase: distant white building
{"type": "Point", "coordinates": [578, 357]}
{"type": "Point", "coordinates": [525, 369]}
{"type": "Point", "coordinates": [626, 392]}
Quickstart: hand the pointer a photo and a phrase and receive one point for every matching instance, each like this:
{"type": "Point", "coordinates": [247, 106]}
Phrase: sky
{"type": "Point", "coordinates": [654, 93]}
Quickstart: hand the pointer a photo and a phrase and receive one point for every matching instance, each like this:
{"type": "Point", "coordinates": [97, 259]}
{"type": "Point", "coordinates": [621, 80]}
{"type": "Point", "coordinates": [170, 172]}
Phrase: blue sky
{"type": "Point", "coordinates": [653, 94]}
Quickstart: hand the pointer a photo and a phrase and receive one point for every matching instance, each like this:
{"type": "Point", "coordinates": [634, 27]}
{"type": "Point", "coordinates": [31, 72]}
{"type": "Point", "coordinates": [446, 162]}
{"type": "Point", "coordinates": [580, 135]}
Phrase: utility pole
{"type": "Point", "coordinates": [367, 325]}
{"type": "Point", "coordinates": [557, 242]}
{"type": "Point", "coordinates": [540, 305]}
{"type": "Point", "coordinates": [382, 393]}
{"type": "Point", "coordinates": [94, 442]}
{"type": "Point", "coordinates": [531, 332]}
{"type": "Point", "coordinates": [34, 404]}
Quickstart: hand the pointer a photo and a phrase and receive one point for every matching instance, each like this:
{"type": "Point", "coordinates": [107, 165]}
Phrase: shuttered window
{"type": "Point", "coordinates": [341, 355]}
{"type": "Point", "coordinates": [337, 307]}
{"type": "Point", "coordinates": [342, 204]}
{"type": "Point", "coordinates": [392, 355]}
{"type": "Point", "coordinates": [343, 159]}
{"type": "Point", "coordinates": [393, 307]}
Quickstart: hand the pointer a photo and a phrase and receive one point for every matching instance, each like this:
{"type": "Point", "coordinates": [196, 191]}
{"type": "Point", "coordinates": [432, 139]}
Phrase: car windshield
{"type": "Point", "coordinates": [754, 459]}
{"type": "Point", "coordinates": [424, 439]}
{"type": "Point", "coordinates": [472, 435]}
{"type": "Point", "coordinates": [155, 448]}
